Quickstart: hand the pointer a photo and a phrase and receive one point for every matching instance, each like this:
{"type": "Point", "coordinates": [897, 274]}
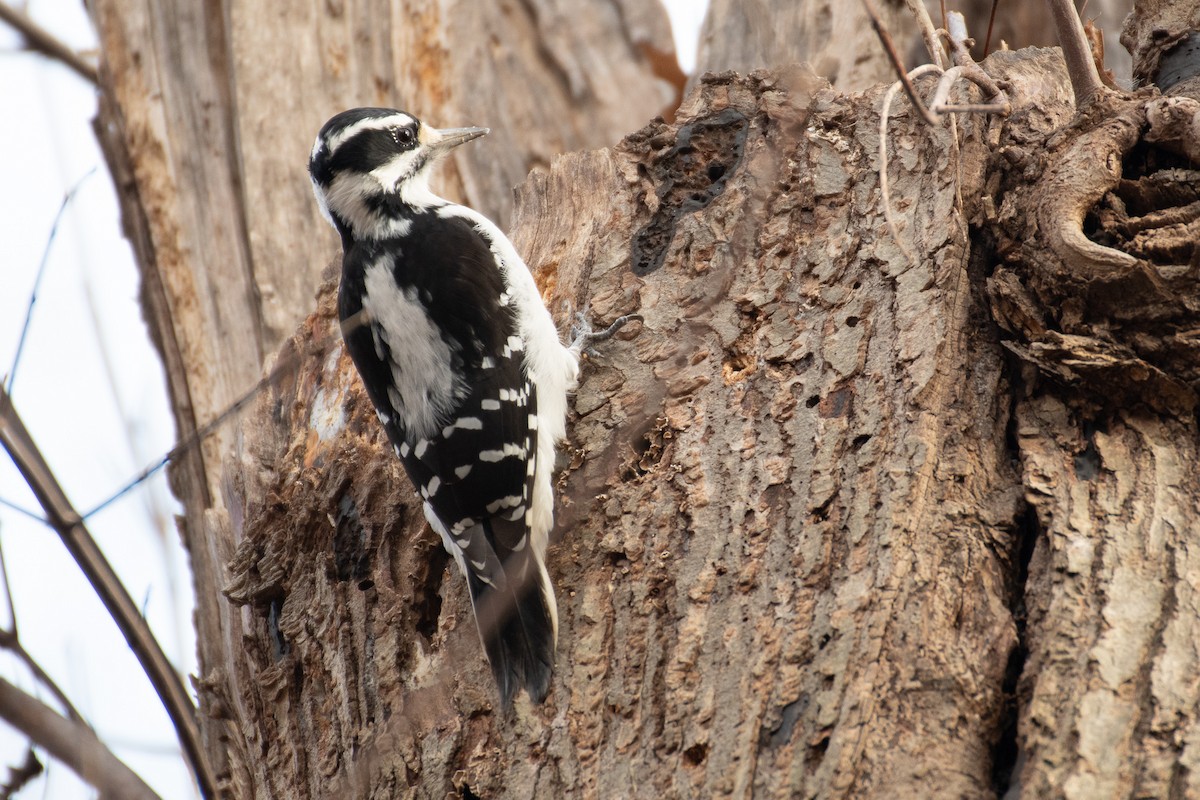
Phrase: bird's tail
{"type": "Point", "coordinates": [518, 623]}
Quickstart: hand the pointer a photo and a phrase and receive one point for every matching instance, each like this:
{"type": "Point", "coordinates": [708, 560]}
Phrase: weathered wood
{"type": "Point", "coordinates": [829, 528]}
{"type": "Point", "coordinates": [207, 116]}
{"type": "Point", "coordinates": [835, 38]}
{"type": "Point", "coordinates": [788, 525]}
{"type": "Point", "coordinates": [1109, 693]}
{"type": "Point", "coordinates": [831, 36]}
{"type": "Point", "coordinates": [1095, 286]}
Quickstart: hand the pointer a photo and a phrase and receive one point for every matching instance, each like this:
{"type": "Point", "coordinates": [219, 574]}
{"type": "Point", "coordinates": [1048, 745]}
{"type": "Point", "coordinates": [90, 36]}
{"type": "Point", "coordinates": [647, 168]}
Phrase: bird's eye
{"type": "Point", "coordinates": [403, 136]}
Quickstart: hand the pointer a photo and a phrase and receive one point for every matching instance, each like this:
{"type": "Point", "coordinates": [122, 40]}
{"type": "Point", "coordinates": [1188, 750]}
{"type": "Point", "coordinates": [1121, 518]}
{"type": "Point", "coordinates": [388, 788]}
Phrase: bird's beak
{"type": "Point", "coordinates": [446, 139]}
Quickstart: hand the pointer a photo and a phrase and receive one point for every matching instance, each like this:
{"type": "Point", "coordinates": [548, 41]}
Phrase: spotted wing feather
{"type": "Point", "coordinates": [474, 469]}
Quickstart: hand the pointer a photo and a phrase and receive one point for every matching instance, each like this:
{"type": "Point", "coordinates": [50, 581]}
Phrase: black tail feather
{"type": "Point", "coordinates": [517, 630]}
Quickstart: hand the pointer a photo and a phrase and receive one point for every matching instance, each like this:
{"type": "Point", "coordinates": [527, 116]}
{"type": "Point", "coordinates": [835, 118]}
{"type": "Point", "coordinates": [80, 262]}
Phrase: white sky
{"type": "Point", "coordinates": [90, 389]}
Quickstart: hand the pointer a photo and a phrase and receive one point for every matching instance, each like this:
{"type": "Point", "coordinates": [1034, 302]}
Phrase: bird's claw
{"type": "Point", "coordinates": [583, 336]}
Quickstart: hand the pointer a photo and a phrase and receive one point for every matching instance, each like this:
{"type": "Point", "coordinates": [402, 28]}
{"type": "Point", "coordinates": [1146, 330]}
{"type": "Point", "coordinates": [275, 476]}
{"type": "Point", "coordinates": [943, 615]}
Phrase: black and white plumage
{"type": "Point", "coordinates": [463, 364]}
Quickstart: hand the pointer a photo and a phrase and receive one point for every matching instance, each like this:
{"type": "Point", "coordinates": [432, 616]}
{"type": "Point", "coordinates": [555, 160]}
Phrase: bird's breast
{"type": "Point", "coordinates": [424, 386]}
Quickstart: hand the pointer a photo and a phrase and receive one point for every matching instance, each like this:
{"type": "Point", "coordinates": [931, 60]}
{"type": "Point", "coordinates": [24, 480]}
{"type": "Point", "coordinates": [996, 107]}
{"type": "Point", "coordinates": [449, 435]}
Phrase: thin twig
{"type": "Point", "coordinates": [987, 41]}
{"type": "Point", "coordinates": [42, 41]}
{"type": "Point", "coordinates": [1081, 67]}
{"type": "Point", "coordinates": [888, 97]}
{"type": "Point", "coordinates": [73, 744]}
{"type": "Point", "coordinates": [22, 510]}
{"type": "Point", "coordinates": [37, 281]}
{"type": "Point", "coordinates": [280, 369]}
{"type": "Point", "coordinates": [10, 640]}
{"type": "Point", "coordinates": [969, 108]}
{"type": "Point", "coordinates": [960, 48]}
{"type": "Point", "coordinates": [109, 361]}
{"type": "Point", "coordinates": [886, 39]}
{"type": "Point", "coordinates": [928, 33]}
{"type": "Point", "coordinates": [942, 93]}
{"type": "Point", "coordinates": [966, 68]}
{"type": "Point", "coordinates": [69, 525]}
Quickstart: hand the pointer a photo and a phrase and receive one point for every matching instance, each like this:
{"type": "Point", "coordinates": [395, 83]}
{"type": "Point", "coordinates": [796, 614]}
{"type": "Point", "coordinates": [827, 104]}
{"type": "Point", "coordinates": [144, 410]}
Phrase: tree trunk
{"type": "Point", "coordinates": [834, 521]}
{"type": "Point", "coordinates": [837, 40]}
{"type": "Point", "coordinates": [1096, 285]}
{"type": "Point", "coordinates": [207, 116]}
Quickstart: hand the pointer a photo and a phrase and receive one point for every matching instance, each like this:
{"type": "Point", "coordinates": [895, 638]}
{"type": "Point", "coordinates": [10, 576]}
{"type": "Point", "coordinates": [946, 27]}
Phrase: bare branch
{"type": "Point", "coordinates": [965, 67]}
{"type": "Point", "coordinates": [886, 39]}
{"type": "Point", "coordinates": [73, 744]}
{"type": "Point", "coordinates": [82, 547]}
{"type": "Point", "coordinates": [41, 273]}
{"type": "Point", "coordinates": [987, 40]}
{"type": "Point", "coordinates": [281, 369]}
{"type": "Point", "coordinates": [10, 640]}
{"type": "Point", "coordinates": [39, 40]}
{"type": "Point", "coordinates": [888, 97]}
{"type": "Point", "coordinates": [1085, 80]}
{"type": "Point", "coordinates": [928, 34]}
{"type": "Point", "coordinates": [20, 776]}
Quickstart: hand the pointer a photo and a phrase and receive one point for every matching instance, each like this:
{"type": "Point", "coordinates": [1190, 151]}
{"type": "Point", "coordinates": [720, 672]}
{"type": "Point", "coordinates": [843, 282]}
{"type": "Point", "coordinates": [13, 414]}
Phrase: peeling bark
{"type": "Point", "coordinates": [1096, 285]}
{"type": "Point", "coordinates": [833, 523]}
{"type": "Point", "coordinates": [207, 115]}
{"type": "Point", "coordinates": [787, 521]}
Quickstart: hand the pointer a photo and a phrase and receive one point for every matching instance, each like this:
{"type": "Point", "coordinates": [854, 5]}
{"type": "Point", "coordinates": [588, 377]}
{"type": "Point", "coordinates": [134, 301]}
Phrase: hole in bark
{"type": "Point", "coordinates": [466, 794]}
{"type": "Point", "coordinates": [1005, 752]}
{"type": "Point", "coordinates": [859, 441]}
{"type": "Point", "coordinates": [688, 177]}
{"type": "Point", "coordinates": [1087, 462]}
{"type": "Point", "coordinates": [696, 754]}
{"type": "Point", "coordinates": [367, 584]}
{"type": "Point", "coordinates": [648, 450]}
{"type": "Point", "coordinates": [851, 322]}
{"type": "Point", "coordinates": [816, 752]}
{"type": "Point", "coordinates": [812, 401]}
{"type": "Point", "coordinates": [279, 644]}
{"type": "Point", "coordinates": [781, 734]}
{"type": "Point", "coordinates": [351, 541]}
{"type": "Point", "coordinates": [427, 598]}
{"type": "Point", "coordinates": [1143, 215]}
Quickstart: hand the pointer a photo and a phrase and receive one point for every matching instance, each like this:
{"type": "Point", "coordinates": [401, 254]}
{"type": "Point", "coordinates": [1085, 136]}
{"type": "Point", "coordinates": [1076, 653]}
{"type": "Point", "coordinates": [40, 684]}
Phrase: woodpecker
{"type": "Point", "coordinates": [464, 366]}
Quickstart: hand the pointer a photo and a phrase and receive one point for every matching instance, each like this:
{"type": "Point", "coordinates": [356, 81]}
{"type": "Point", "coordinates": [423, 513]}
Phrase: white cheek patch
{"type": "Point", "coordinates": [400, 167]}
{"type": "Point", "coordinates": [347, 197]}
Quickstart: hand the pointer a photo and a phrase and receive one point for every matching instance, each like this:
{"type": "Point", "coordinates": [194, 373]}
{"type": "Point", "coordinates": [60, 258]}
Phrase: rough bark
{"type": "Point", "coordinates": [834, 523]}
{"type": "Point", "coordinates": [207, 115]}
{"type": "Point", "coordinates": [1096, 286]}
{"type": "Point", "coordinates": [832, 36]}
{"type": "Point", "coordinates": [836, 39]}
{"type": "Point", "coordinates": [789, 522]}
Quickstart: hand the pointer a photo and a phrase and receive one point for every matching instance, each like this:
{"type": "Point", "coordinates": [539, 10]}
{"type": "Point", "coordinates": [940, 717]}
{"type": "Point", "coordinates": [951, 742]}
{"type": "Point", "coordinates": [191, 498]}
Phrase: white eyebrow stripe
{"type": "Point", "coordinates": [399, 119]}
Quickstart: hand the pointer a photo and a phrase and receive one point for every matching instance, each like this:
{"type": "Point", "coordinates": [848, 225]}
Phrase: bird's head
{"type": "Point", "coordinates": [370, 167]}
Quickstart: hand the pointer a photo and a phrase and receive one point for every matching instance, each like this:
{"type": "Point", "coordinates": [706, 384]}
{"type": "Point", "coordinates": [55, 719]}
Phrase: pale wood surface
{"type": "Point", "coordinates": [208, 113]}
{"type": "Point", "coordinates": [833, 523]}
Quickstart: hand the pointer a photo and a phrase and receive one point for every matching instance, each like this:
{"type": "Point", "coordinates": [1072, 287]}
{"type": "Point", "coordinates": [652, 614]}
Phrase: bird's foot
{"type": "Point", "coordinates": [583, 336]}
